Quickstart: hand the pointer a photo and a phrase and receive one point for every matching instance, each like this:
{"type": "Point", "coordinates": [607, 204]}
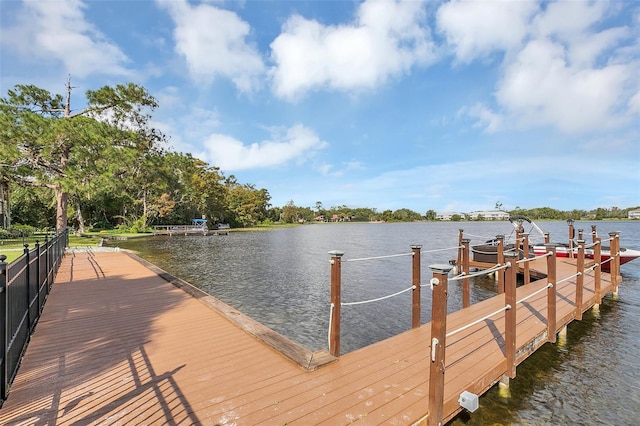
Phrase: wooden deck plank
{"type": "Point", "coordinates": [117, 343]}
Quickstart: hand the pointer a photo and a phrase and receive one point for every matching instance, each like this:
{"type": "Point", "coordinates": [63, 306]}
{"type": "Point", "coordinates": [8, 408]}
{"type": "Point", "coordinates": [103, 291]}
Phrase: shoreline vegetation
{"type": "Point", "coordinates": [14, 248]}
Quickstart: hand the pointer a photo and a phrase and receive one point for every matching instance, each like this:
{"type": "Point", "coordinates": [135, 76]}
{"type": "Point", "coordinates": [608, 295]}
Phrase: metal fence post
{"type": "Point", "coordinates": [415, 273]}
{"type": "Point", "coordinates": [4, 373]}
{"type": "Point", "coordinates": [439, 284]}
{"type": "Point", "coordinates": [334, 327]}
{"type": "Point", "coordinates": [28, 283]}
{"type": "Point", "coordinates": [38, 278]}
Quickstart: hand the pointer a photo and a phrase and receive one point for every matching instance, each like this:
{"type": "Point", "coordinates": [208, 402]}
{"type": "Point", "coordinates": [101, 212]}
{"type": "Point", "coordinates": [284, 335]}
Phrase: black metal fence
{"type": "Point", "coordinates": [24, 286]}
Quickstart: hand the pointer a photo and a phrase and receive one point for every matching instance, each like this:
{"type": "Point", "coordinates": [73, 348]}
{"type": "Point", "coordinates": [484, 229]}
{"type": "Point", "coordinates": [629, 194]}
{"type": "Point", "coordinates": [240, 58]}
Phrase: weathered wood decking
{"type": "Point", "coordinates": [118, 344]}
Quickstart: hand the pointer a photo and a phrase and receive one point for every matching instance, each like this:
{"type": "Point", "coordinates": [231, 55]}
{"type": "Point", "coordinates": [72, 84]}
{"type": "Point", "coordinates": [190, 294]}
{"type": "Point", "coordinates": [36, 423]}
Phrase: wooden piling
{"type": "Point", "coordinates": [500, 257]}
{"type": "Point", "coordinates": [526, 267]}
{"type": "Point", "coordinates": [579, 279]}
{"type": "Point", "coordinates": [551, 293]}
{"type": "Point", "coordinates": [510, 312]}
{"type": "Point", "coordinates": [334, 331]}
{"type": "Point", "coordinates": [466, 298]}
{"type": "Point", "coordinates": [597, 272]}
{"type": "Point", "coordinates": [415, 314]}
{"type": "Point", "coordinates": [439, 284]}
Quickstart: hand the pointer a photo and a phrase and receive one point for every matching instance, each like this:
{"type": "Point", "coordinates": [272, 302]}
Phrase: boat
{"type": "Point", "coordinates": [488, 252]}
{"type": "Point", "coordinates": [564, 250]}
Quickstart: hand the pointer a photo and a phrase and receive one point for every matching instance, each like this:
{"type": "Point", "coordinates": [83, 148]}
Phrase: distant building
{"type": "Point", "coordinates": [634, 214]}
{"type": "Point", "coordinates": [490, 215]}
{"type": "Point", "coordinates": [448, 216]}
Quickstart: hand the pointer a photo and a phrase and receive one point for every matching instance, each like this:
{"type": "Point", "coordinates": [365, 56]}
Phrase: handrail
{"type": "Point", "coordinates": [24, 287]}
{"type": "Point", "coordinates": [378, 257]}
{"type": "Point", "coordinates": [363, 302]}
{"type": "Point", "coordinates": [479, 320]}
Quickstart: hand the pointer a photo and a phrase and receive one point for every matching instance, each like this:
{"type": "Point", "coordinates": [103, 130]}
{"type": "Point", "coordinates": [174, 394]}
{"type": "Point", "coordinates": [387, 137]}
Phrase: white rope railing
{"type": "Point", "coordinates": [330, 325]}
{"type": "Point", "coordinates": [577, 274]}
{"type": "Point", "coordinates": [549, 285]}
{"type": "Point", "coordinates": [606, 261]}
{"type": "Point", "coordinates": [529, 259]}
{"type": "Point", "coordinates": [442, 249]}
{"type": "Point", "coordinates": [488, 271]}
{"type": "Point", "coordinates": [479, 236]}
{"type": "Point", "coordinates": [378, 257]}
{"type": "Point", "coordinates": [378, 298]}
{"type": "Point", "coordinates": [479, 320]}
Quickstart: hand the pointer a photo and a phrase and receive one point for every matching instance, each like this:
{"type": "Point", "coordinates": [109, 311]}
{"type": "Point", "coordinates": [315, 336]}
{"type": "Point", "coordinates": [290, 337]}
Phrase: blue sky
{"type": "Point", "coordinates": [443, 105]}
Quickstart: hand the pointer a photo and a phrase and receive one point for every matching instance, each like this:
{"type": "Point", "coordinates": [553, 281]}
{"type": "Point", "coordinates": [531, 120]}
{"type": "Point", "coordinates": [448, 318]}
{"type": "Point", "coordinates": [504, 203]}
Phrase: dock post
{"type": "Point", "coordinates": [415, 311]}
{"type": "Point", "coordinates": [466, 299]}
{"type": "Point", "coordinates": [572, 234]}
{"type": "Point", "coordinates": [500, 251]}
{"type": "Point", "coordinates": [525, 250]}
{"type": "Point", "coordinates": [4, 314]}
{"type": "Point", "coordinates": [579, 279]}
{"type": "Point", "coordinates": [510, 312]}
{"type": "Point", "coordinates": [459, 260]}
{"type": "Point", "coordinates": [581, 234]}
{"type": "Point", "coordinates": [617, 259]}
{"type": "Point", "coordinates": [551, 292]}
{"type": "Point", "coordinates": [334, 326]}
{"type": "Point", "coordinates": [439, 284]}
{"type": "Point", "coordinates": [597, 272]}
{"type": "Point", "coordinates": [547, 238]}
{"type": "Point", "coordinates": [594, 233]}
{"type": "Point", "coordinates": [612, 262]}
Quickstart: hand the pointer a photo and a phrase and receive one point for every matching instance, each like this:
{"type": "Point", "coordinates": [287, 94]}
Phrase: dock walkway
{"type": "Point", "coordinates": [119, 344]}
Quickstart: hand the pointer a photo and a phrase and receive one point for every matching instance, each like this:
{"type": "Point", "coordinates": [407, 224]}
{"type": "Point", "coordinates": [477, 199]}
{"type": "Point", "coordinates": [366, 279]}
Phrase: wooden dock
{"type": "Point", "coordinates": [121, 342]}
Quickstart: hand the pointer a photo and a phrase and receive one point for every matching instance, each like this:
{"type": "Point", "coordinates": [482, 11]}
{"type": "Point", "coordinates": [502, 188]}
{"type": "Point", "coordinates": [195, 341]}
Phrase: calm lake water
{"type": "Point", "coordinates": [281, 278]}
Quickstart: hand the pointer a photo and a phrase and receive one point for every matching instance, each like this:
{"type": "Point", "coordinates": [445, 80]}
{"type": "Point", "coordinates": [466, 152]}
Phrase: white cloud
{"type": "Point", "coordinates": [387, 39]}
{"type": "Point", "coordinates": [476, 29]}
{"type": "Point", "coordinates": [297, 143]}
{"type": "Point", "coordinates": [560, 68]}
{"type": "Point", "coordinates": [58, 30]}
{"type": "Point", "coordinates": [213, 42]}
{"type": "Point", "coordinates": [487, 119]}
{"type": "Point", "coordinates": [541, 88]}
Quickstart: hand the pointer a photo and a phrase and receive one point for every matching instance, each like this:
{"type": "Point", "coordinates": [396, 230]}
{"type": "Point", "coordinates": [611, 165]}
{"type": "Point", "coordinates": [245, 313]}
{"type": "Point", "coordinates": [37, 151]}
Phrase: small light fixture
{"type": "Point", "coordinates": [570, 221]}
{"type": "Point", "coordinates": [468, 401]}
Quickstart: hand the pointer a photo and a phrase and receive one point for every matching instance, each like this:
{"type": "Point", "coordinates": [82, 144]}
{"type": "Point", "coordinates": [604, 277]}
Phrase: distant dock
{"type": "Point", "coordinates": [171, 230]}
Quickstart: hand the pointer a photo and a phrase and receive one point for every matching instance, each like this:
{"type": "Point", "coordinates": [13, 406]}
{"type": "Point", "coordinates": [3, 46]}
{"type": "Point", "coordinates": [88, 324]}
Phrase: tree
{"type": "Point", "coordinates": [431, 215]}
{"type": "Point", "coordinates": [74, 153]}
